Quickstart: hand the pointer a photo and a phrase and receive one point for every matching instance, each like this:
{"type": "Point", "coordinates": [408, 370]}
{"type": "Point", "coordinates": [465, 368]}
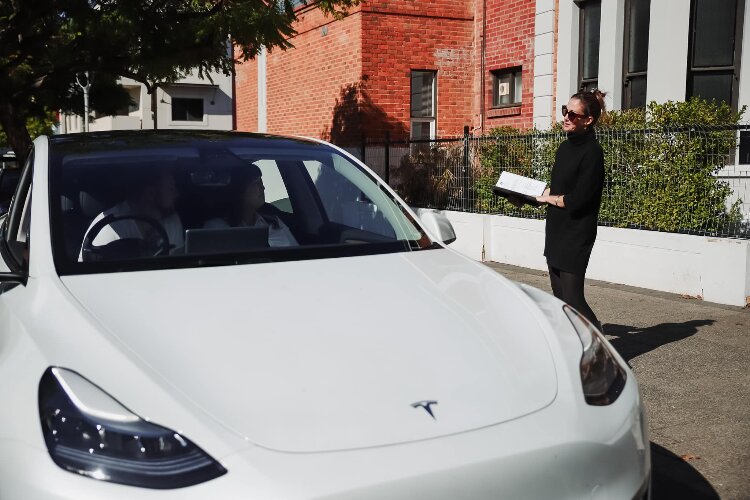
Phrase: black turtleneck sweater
{"type": "Point", "coordinates": [578, 174]}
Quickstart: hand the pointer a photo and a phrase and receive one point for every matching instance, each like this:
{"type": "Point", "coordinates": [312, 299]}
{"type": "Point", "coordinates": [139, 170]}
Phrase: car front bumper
{"type": "Point", "coordinates": [566, 451]}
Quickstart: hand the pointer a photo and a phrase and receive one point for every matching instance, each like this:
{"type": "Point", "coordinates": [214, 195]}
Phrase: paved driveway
{"type": "Point", "coordinates": [692, 361]}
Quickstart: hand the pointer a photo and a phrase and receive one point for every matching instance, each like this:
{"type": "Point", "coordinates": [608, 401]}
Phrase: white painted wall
{"type": "Point", "coordinates": [668, 50]}
{"type": "Point", "coordinates": [544, 46]}
{"type": "Point", "coordinates": [717, 269]}
{"type": "Point", "coordinates": [567, 51]}
{"type": "Point", "coordinates": [610, 51]}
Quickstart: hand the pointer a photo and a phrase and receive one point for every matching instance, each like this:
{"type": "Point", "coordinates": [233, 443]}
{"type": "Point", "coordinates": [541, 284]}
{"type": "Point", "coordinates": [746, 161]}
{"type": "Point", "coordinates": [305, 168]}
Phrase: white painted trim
{"type": "Point", "coordinates": [668, 50]}
{"type": "Point", "coordinates": [543, 65]}
{"type": "Point", "coordinates": [567, 51]}
{"type": "Point", "coordinates": [744, 92]}
{"type": "Point", "coordinates": [262, 92]}
{"type": "Point", "coordinates": [610, 51]}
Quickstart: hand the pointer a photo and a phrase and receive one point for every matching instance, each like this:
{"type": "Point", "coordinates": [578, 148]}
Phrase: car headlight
{"type": "Point", "coordinates": [90, 433]}
{"type": "Point", "coordinates": [601, 374]}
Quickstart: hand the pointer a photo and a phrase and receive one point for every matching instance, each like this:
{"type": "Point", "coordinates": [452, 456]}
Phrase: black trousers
{"type": "Point", "coordinates": [568, 287]}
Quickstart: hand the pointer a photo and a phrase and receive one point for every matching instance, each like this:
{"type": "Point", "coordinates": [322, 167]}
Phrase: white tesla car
{"type": "Point", "coordinates": [216, 315]}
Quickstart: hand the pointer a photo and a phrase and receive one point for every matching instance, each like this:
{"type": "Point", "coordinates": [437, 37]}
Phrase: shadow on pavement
{"type": "Point", "coordinates": [674, 478]}
{"type": "Point", "coordinates": [631, 341]}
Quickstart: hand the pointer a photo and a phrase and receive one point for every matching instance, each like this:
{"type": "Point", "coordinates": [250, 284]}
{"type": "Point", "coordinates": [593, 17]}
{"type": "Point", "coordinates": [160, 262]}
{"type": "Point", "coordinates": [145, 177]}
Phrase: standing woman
{"type": "Point", "coordinates": [573, 201]}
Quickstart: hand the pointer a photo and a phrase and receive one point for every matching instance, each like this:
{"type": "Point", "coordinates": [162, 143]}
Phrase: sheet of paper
{"type": "Point", "coordinates": [520, 184]}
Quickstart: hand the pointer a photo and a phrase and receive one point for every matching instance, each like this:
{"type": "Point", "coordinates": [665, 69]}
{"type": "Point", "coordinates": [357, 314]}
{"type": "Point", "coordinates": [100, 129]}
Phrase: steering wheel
{"type": "Point", "coordinates": [135, 247]}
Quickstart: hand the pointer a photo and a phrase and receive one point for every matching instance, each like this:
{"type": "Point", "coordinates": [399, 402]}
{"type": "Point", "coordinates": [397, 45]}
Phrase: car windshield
{"type": "Point", "coordinates": [149, 201]}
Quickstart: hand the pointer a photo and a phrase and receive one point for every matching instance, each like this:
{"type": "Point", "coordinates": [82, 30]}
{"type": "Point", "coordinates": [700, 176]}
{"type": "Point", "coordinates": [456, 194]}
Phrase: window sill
{"type": "Point", "coordinates": [504, 111]}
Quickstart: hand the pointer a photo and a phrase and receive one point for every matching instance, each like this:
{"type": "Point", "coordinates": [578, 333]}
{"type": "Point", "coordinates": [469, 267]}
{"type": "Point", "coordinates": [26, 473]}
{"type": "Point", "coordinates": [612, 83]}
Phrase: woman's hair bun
{"type": "Point", "coordinates": [600, 95]}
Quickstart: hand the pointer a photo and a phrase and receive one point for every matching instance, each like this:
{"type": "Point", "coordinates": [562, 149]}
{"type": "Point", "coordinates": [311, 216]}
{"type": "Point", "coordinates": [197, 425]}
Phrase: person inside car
{"type": "Point", "coordinates": [152, 195]}
{"type": "Point", "coordinates": [248, 196]}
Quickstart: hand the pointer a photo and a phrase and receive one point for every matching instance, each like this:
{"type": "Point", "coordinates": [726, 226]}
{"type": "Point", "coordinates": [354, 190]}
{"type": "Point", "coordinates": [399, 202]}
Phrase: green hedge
{"type": "Point", "coordinates": [660, 166]}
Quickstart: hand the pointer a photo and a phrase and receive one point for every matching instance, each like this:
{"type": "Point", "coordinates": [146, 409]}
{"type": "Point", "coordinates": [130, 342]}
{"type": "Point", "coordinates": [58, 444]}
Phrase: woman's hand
{"type": "Point", "coordinates": [557, 200]}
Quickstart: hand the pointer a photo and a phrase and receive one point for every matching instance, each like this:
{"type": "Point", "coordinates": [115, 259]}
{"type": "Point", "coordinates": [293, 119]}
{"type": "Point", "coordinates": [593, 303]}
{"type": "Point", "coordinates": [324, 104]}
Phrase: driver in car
{"type": "Point", "coordinates": [152, 197]}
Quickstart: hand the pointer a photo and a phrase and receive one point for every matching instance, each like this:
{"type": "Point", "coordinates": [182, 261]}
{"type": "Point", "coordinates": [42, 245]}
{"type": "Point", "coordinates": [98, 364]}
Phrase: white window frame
{"type": "Point", "coordinates": [431, 120]}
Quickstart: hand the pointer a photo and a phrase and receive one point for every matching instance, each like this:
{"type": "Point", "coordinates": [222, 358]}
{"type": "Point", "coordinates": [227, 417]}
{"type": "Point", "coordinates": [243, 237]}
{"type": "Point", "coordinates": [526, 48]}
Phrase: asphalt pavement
{"type": "Point", "coordinates": [692, 361]}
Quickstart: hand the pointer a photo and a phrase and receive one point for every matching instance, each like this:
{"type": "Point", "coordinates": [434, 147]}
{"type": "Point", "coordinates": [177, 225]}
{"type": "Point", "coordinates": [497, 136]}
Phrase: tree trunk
{"type": "Point", "coordinates": [14, 126]}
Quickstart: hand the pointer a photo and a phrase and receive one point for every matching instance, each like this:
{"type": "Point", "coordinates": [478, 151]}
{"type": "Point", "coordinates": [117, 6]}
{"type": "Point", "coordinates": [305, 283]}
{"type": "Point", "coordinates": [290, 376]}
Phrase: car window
{"type": "Point", "coordinates": [17, 223]}
{"type": "Point", "coordinates": [276, 193]}
{"type": "Point", "coordinates": [184, 202]}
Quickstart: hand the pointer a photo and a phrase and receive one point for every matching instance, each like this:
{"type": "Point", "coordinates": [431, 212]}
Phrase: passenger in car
{"type": "Point", "coordinates": [248, 196]}
{"type": "Point", "coordinates": [152, 194]}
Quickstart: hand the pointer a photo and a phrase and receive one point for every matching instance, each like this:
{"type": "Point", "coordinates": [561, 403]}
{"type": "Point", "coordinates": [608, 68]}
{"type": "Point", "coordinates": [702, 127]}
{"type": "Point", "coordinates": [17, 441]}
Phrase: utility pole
{"type": "Point", "coordinates": [85, 88]}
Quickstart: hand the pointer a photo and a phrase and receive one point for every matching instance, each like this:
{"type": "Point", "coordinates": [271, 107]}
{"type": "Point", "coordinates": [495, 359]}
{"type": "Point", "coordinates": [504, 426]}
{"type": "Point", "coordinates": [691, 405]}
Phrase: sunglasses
{"type": "Point", "coordinates": [572, 115]}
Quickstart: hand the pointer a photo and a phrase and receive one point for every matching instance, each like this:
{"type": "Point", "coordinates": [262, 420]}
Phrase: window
{"type": "Point", "coordinates": [17, 224]}
{"type": "Point", "coordinates": [134, 93]}
{"type": "Point", "coordinates": [714, 55]}
{"type": "Point", "coordinates": [423, 104]}
{"type": "Point", "coordinates": [745, 147]}
{"type": "Point", "coordinates": [275, 190]}
{"type": "Point", "coordinates": [635, 58]}
{"type": "Point", "coordinates": [588, 45]}
{"type": "Point", "coordinates": [187, 109]}
{"type": "Point", "coordinates": [506, 87]}
{"type": "Point", "coordinates": [309, 202]}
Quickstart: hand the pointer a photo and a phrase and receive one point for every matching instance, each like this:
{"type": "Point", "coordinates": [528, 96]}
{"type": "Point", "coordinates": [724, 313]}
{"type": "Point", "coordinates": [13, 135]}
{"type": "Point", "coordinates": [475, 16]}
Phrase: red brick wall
{"type": "Point", "coordinates": [403, 35]}
{"type": "Point", "coordinates": [510, 43]}
{"type": "Point", "coordinates": [309, 86]}
{"type": "Point", "coordinates": [246, 96]}
{"type": "Point", "coordinates": [351, 77]}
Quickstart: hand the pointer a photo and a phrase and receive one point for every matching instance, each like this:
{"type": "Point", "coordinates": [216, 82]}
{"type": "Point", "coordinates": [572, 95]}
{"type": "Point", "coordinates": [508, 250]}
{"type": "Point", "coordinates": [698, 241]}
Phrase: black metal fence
{"type": "Point", "coordinates": [693, 180]}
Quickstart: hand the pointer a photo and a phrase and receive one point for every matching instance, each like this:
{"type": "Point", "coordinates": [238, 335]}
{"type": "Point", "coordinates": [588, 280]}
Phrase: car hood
{"type": "Point", "coordinates": [335, 354]}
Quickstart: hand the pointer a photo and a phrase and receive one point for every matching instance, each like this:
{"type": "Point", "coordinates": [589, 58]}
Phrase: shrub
{"type": "Point", "coordinates": [427, 177]}
{"type": "Point", "coordinates": [660, 167]}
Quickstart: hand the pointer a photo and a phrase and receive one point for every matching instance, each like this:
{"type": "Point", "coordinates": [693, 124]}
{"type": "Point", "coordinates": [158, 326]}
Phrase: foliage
{"type": "Point", "coordinates": [44, 44]}
{"type": "Point", "coordinates": [36, 126]}
{"type": "Point", "coordinates": [660, 166]}
{"type": "Point", "coordinates": [426, 176]}
{"type": "Point", "coordinates": [508, 149]}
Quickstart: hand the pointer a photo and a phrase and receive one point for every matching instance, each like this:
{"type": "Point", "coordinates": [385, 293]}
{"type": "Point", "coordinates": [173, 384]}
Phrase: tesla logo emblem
{"type": "Point", "coordinates": [426, 406]}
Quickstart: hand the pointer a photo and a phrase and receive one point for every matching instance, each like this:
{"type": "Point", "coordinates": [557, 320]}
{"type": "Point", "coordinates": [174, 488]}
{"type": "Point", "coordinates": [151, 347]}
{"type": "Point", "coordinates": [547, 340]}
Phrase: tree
{"type": "Point", "coordinates": [45, 43]}
{"type": "Point", "coordinates": [35, 126]}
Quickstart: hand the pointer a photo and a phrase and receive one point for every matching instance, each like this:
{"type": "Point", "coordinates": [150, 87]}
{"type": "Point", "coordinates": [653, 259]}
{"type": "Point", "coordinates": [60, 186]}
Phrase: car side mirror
{"type": "Point", "coordinates": [437, 224]}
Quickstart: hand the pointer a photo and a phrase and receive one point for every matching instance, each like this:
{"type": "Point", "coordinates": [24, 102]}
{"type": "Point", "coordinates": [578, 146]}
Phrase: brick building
{"type": "Point", "coordinates": [412, 68]}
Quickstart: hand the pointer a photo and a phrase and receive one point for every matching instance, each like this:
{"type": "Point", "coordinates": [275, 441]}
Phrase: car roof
{"type": "Point", "coordinates": [145, 138]}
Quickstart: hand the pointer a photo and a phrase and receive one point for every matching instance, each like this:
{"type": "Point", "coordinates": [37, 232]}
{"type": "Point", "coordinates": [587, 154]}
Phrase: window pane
{"type": "Point", "coordinates": [503, 90]}
{"type": "Point", "coordinates": [421, 130]}
{"type": "Point", "coordinates": [638, 35]}
{"type": "Point", "coordinates": [518, 89]}
{"type": "Point", "coordinates": [591, 20]}
{"type": "Point", "coordinates": [714, 85]}
{"type": "Point", "coordinates": [187, 109]}
{"type": "Point", "coordinates": [590, 86]}
{"type": "Point", "coordinates": [714, 32]}
{"type": "Point", "coordinates": [422, 92]}
{"type": "Point", "coordinates": [637, 89]}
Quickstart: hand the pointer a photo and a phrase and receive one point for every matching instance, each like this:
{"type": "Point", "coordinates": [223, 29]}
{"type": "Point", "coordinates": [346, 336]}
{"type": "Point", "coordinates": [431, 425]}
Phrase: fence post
{"type": "Point", "coordinates": [387, 165]}
{"type": "Point", "coordinates": [465, 194]}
